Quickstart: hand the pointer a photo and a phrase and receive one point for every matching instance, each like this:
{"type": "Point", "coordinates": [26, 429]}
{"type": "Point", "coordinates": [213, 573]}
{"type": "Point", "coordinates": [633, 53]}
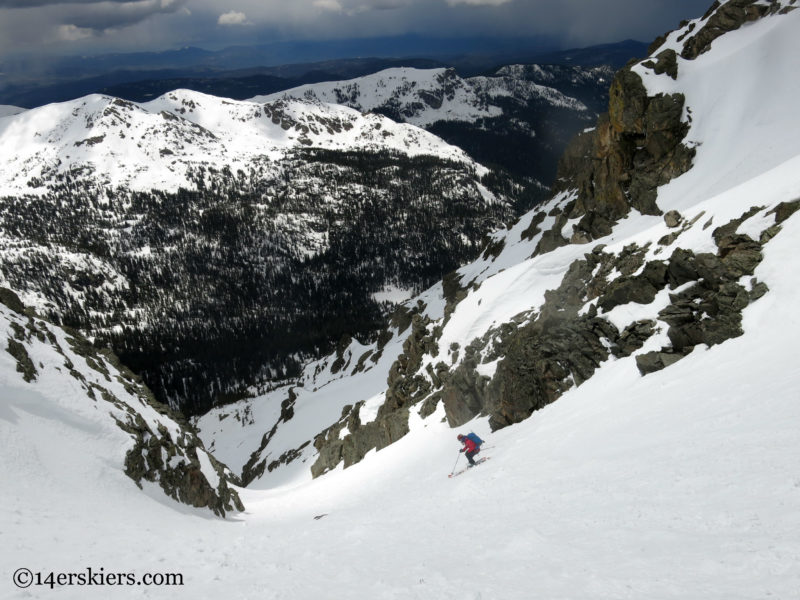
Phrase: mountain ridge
{"type": "Point", "coordinates": [518, 118]}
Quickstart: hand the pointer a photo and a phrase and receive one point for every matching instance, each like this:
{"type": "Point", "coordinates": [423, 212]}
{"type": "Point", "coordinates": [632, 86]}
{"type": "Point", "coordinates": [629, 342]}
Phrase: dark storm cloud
{"type": "Point", "coordinates": [110, 15]}
{"type": "Point", "coordinates": [111, 25]}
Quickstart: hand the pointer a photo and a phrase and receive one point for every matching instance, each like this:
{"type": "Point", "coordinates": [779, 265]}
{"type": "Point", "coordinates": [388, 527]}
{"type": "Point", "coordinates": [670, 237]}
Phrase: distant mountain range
{"type": "Point", "coordinates": [243, 72]}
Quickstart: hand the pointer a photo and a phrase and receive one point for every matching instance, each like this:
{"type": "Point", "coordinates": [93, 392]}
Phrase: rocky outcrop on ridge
{"type": "Point", "coordinates": [540, 355]}
{"type": "Point", "coordinates": [721, 18]}
{"type": "Point", "coordinates": [635, 147]}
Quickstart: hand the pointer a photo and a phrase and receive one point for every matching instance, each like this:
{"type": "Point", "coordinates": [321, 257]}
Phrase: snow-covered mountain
{"type": "Point", "coordinates": [8, 110]}
{"type": "Point", "coordinates": [156, 145]}
{"type": "Point", "coordinates": [424, 96]}
{"type": "Point", "coordinates": [520, 118]}
{"type": "Point", "coordinates": [628, 351]}
{"type": "Point", "coordinates": [113, 215]}
{"type": "Point", "coordinates": [637, 332]}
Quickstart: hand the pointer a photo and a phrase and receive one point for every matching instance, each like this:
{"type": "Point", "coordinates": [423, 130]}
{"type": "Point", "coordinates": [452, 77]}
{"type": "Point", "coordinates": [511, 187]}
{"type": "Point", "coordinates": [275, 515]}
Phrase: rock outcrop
{"type": "Point", "coordinates": [635, 147]}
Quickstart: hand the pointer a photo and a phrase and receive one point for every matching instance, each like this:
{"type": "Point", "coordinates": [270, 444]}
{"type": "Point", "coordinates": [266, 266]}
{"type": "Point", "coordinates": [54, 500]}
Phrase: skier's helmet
{"type": "Point", "coordinates": [460, 437]}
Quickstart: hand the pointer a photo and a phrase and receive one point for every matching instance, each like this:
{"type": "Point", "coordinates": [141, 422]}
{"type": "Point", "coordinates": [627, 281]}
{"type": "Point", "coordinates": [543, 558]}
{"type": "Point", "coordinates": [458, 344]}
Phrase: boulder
{"type": "Point", "coordinates": [625, 290]}
{"type": "Point", "coordinates": [11, 300]}
{"type": "Point", "coordinates": [673, 218]}
{"type": "Point", "coordinates": [655, 361]}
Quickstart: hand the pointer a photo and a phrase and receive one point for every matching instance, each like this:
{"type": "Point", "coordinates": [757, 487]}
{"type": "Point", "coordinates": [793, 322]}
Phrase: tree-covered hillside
{"type": "Point", "coordinates": [208, 290]}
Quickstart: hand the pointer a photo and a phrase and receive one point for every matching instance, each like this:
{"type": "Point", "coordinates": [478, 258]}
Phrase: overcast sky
{"type": "Point", "coordinates": [100, 26]}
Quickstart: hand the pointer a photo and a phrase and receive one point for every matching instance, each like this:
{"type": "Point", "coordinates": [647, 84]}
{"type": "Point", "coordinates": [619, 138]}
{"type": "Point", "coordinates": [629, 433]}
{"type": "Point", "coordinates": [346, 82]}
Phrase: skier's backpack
{"type": "Point", "coordinates": [478, 441]}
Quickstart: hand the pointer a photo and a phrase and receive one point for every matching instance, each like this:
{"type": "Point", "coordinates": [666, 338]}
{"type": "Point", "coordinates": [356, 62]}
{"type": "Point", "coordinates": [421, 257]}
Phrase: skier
{"type": "Point", "coordinates": [472, 445]}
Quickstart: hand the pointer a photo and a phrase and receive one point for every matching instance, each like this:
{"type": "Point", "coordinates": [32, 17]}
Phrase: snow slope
{"type": "Point", "coordinates": [71, 416]}
{"type": "Point", "coordinates": [767, 122]}
{"type": "Point", "coordinates": [679, 484]}
{"type": "Point", "coordinates": [669, 486]}
{"type": "Point", "coordinates": [235, 431]}
{"type": "Point", "coordinates": [727, 179]}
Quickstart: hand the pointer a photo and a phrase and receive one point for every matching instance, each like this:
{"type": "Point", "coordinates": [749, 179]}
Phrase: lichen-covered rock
{"type": "Point", "coordinates": [651, 362]}
{"type": "Point", "coordinates": [463, 391]}
{"type": "Point", "coordinates": [784, 210]}
{"type": "Point", "coordinates": [406, 387]}
{"type": "Point", "coordinates": [666, 61]}
{"type": "Point", "coordinates": [181, 476]}
{"type": "Point", "coordinates": [542, 361]}
{"type": "Point", "coordinates": [633, 337]}
{"type": "Point", "coordinates": [362, 439]}
{"type": "Point", "coordinates": [627, 289]}
{"type": "Point", "coordinates": [710, 311]}
{"type": "Point", "coordinates": [627, 103]}
{"type": "Point", "coordinates": [404, 384]}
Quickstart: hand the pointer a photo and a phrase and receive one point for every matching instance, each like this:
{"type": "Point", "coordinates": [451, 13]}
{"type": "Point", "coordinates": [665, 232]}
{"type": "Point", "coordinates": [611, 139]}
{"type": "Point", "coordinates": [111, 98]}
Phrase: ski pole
{"type": "Point", "coordinates": [454, 464]}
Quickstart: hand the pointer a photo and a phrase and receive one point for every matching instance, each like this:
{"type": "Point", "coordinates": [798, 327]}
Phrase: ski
{"type": "Point", "coordinates": [477, 462]}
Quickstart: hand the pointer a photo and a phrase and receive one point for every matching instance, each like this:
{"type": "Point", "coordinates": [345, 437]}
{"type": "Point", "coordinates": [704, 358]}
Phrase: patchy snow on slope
{"type": "Point", "coordinates": [235, 432]}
